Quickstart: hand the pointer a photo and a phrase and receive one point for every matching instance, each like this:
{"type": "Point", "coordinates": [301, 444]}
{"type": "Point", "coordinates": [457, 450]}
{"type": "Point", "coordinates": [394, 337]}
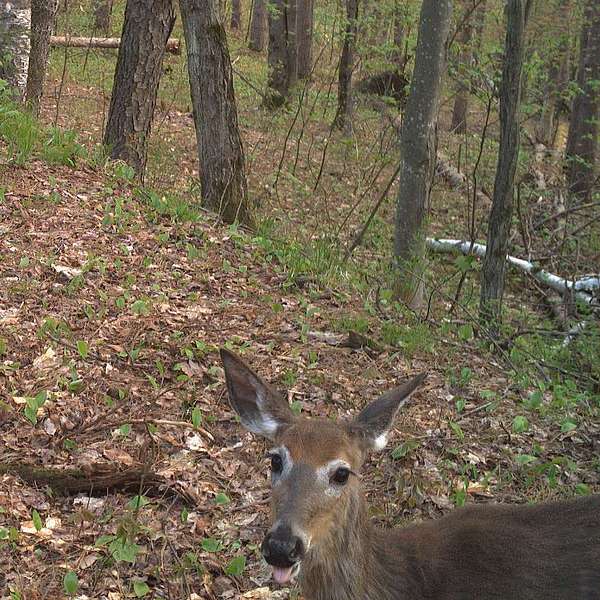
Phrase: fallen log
{"type": "Point", "coordinates": [173, 44]}
{"type": "Point", "coordinates": [585, 289]}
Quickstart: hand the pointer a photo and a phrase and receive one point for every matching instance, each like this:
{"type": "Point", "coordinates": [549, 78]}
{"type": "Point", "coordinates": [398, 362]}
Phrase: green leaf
{"type": "Point", "coordinates": [82, 348]}
{"type": "Point", "coordinates": [3, 533]}
{"type": "Point", "coordinates": [31, 413]}
{"type": "Point", "coordinates": [196, 417]}
{"type": "Point", "coordinates": [37, 520]}
{"type": "Point", "coordinates": [465, 332]}
{"type": "Point", "coordinates": [403, 449]}
{"type": "Point", "coordinates": [520, 424]}
{"type": "Point", "coordinates": [211, 545]}
{"type": "Point", "coordinates": [71, 583]}
{"type": "Point", "coordinates": [24, 262]}
{"type": "Point", "coordinates": [236, 566]}
{"type": "Point", "coordinates": [458, 432]}
{"type": "Point", "coordinates": [581, 489]}
{"type": "Point", "coordinates": [138, 502]}
{"type": "Point", "coordinates": [460, 404]}
{"type": "Point", "coordinates": [125, 429]}
{"type": "Point", "coordinates": [568, 425]}
{"type": "Point", "coordinates": [123, 550]}
{"type": "Point", "coordinates": [222, 498]}
{"type": "Point", "coordinates": [103, 540]}
{"type": "Point", "coordinates": [140, 589]}
{"type": "Point", "coordinates": [525, 459]}
{"type": "Point", "coordinates": [183, 516]}
{"type": "Point", "coordinates": [296, 407]}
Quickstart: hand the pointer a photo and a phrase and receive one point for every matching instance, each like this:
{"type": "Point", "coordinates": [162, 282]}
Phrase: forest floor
{"type": "Point", "coordinates": [120, 459]}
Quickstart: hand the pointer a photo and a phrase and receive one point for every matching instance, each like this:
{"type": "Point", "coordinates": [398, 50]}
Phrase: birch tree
{"type": "Point", "coordinates": [15, 24]}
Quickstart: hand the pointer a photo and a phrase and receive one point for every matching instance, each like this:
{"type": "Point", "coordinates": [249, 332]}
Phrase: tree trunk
{"type": "Point", "coordinates": [465, 56]}
{"type": "Point", "coordinates": [400, 24]}
{"type": "Point", "coordinates": [220, 152]}
{"type": "Point", "coordinates": [43, 14]}
{"type": "Point", "coordinates": [305, 22]}
{"type": "Point", "coordinates": [418, 149]}
{"type": "Point", "coordinates": [292, 41]}
{"type": "Point", "coordinates": [146, 29]}
{"type": "Point", "coordinates": [258, 26]}
{"type": "Point", "coordinates": [558, 77]}
{"type": "Point", "coordinates": [278, 79]}
{"type": "Point", "coordinates": [102, 14]}
{"type": "Point", "coordinates": [343, 117]}
{"type": "Point", "coordinates": [494, 265]}
{"type": "Point", "coordinates": [15, 24]}
{"type": "Point", "coordinates": [236, 14]}
{"type": "Point", "coordinates": [582, 141]}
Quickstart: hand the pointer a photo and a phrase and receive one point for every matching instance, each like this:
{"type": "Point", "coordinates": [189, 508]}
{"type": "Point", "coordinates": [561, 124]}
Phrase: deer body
{"type": "Point", "coordinates": [321, 530]}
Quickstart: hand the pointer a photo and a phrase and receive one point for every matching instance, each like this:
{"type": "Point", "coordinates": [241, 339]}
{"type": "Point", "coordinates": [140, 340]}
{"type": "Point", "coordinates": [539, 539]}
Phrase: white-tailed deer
{"type": "Point", "coordinates": [322, 533]}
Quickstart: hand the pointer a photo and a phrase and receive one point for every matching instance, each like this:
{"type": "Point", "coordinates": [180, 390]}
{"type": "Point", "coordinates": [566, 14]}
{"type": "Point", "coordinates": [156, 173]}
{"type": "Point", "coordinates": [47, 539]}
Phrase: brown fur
{"type": "Point", "coordinates": [493, 552]}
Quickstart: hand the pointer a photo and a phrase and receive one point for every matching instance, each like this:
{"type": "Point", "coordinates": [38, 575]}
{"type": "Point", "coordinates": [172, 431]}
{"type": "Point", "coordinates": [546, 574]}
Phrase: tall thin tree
{"type": "Point", "coordinates": [258, 26]}
{"type": "Point", "coordinates": [236, 14]}
{"type": "Point", "coordinates": [43, 15]}
{"type": "Point", "coordinates": [305, 26]}
{"type": "Point", "coordinates": [582, 141]}
{"type": "Point", "coordinates": [418, 149]}
{"type": "Point", "coordinates": [146, 29]}
{"type": "Point", "coordinates": [278, 82]}
{"type": "Point", "coordinates": [15, 24]}
{"type": "Point", "coordinates": [102, 15]}
{"type": "Point", "coordinates": [343, 116]}
{"type": "Point", "coordinates": [461, 99]}
{"type": "Point", "coordinates": [494, 264]}
{"type": "Point", "coordinates": [220, 151]}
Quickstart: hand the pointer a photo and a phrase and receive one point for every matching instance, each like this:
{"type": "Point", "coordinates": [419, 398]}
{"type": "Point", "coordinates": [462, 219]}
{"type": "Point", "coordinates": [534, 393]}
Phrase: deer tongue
{"type": "Point", "coordinates": [282, 575]}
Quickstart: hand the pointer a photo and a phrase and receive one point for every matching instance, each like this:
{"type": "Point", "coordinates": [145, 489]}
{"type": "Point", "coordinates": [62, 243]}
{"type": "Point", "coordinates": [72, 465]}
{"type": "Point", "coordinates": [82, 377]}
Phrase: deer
{"type": "Point", "coordinates": [321, 533]}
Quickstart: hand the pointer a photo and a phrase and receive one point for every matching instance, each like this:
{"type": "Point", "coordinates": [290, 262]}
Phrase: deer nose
{"type": "Point", "coordinates": [282, 549]}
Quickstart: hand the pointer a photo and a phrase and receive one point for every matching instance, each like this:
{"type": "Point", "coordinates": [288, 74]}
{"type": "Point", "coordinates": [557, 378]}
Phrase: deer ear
{"type": "Point", "coordinates": [261, 409]}
{"type": "Point", "coordinates": [374, 422]}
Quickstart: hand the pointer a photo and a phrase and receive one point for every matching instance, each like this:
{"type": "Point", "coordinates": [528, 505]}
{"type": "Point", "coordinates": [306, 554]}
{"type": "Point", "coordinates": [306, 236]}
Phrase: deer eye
{"type": "Point", "coordinates": [276, 463]}
{"type": "Point", "coordinates": [340, 475]}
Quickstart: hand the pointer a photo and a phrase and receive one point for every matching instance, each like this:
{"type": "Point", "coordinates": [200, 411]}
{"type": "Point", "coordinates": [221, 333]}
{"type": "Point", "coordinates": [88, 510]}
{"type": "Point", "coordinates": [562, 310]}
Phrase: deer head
{"type": "Point", "coordinates": [314, 464]}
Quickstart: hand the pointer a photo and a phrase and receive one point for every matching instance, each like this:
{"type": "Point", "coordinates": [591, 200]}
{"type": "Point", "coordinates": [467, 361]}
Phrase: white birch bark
{"type": "Point", "coordinates": [15, 26]}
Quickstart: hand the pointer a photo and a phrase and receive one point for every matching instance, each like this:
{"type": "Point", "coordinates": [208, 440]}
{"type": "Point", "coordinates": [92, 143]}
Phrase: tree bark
{"type": "Point", "coordinates": [465, 57]}
{"type": "Point", "coordinates": [305, 24]}
{"type": "Point", "coordinates": [258, 26]}
{"type": "Point", "coordinates": [343, 117]}
{"type": "Point", "coordinates": [418, 149]}
{"type": "Point", "coordinates": [292, 41]}
{"type": "Point", "coordinates": [146, 29]}
{"type": "Point", "coordinates": [278, 79]}
{"type": "Point", "coordinates": [43, 14]}
{"type": "Point", "coordinates": [15, 24]}
{"type": "Point", "coordinates": [236, 14]}
{"type": "Point", "coordinates": [494, 265]}
{"type": "Point", "coordinates": [102, 14]}
{"type": "Point", "coordinates": [400, 23]}
{"type": "Point", "coordinates": [582, 140]}
{"type": "Point", "coordinates": [173, 44]}
{"type": "Point", "coordinates": [220, 152]}
{"type": "Point", "coordinates": [558, 78]}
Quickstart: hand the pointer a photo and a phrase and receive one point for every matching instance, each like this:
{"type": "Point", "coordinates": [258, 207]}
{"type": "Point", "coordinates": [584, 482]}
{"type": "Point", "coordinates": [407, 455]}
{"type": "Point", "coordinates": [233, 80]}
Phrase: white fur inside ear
{"type": "Point", "coordinates": [266, 425]}
{"type": "Point", "coordinates": [380, 442]}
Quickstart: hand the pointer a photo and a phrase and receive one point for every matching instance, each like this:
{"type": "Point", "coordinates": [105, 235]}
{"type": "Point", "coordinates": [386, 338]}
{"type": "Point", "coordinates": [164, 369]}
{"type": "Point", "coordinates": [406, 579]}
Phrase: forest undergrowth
{"type": "Point", "coordinates": [134, 477]}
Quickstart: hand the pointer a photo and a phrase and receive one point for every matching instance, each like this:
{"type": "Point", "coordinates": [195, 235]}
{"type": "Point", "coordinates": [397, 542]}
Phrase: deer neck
{"type": "Point", "coordinates": [355, 563]}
